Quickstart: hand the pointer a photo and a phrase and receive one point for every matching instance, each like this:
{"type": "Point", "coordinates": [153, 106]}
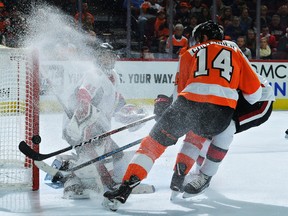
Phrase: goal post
{"type": "Point", "coordinates": [19, 116]}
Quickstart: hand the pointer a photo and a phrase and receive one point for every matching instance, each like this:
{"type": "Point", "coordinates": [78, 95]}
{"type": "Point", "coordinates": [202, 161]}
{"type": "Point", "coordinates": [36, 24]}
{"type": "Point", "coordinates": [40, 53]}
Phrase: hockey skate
{"type": "Point", "coordinates": [112, 199]}
{"type": "Point", "coordinates": [197, 186]}
{"type": "Point", "coordinates": [177, 180]}
{"type": "Point", "coordinates": [286, 134]}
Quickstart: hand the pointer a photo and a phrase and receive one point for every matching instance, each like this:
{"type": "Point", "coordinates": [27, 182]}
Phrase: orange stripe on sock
{"type": "Point", "coordinates": [151, 148]}
{"type": "Point", "coordinates": [182, 158]}
{"type": "Point", "coordinates": [194, 139]}
{"type": "Point", "coordinates": [135, 169]}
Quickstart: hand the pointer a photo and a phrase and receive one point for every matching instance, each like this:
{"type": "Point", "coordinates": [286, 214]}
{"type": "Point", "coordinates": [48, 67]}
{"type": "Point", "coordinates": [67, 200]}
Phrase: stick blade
{"type": "Point", "coordinates": [26, 150]}
{"type": "Point", "coordinates": [51, 170]}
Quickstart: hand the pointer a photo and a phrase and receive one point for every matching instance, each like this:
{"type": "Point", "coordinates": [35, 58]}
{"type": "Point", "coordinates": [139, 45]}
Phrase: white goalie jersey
{"type": "Point", "coordinates": [91, 107]}
{"type": "Point", "coordinates": [92, 104]}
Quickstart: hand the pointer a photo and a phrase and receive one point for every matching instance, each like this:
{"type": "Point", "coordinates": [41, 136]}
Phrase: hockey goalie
{"type": "Point", "coordinates": [93, 104]}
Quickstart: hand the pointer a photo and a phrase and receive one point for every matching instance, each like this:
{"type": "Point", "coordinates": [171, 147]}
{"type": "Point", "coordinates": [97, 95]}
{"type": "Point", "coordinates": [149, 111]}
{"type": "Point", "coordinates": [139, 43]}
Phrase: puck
{"type": "Point", "coordinates": [36, 139]}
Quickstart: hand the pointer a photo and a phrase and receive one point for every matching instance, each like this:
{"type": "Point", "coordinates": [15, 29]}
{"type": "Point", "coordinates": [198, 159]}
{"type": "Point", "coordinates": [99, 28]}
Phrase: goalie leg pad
{"type": "Point", "coordinates": [73, 189]}
{"type": "Point", "coordinates": [111, 205]}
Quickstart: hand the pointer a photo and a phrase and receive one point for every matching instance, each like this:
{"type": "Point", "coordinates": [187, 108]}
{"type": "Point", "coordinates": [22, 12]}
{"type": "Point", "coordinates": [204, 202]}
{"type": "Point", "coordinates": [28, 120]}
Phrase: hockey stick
{"type": "Point", "coordinates": [61, 174]}
{"type": "Point", "coordinates": [29, 152]}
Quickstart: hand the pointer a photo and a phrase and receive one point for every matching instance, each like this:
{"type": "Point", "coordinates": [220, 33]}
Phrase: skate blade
{"type": "Point", "coordinates": [174, 195]}
{"type": "Point", "coordinates": [188, 195]}
{"type": "Point", "coordinates": [111, 205]}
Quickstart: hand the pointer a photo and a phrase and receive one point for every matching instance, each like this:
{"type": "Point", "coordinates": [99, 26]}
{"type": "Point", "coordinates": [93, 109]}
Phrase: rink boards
{"type": "Point", "coordinates": [142, 81]}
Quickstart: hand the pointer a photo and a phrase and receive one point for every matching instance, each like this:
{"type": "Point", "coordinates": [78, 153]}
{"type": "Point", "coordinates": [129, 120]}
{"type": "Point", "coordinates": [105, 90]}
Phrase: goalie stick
{"type": "Point", "coordinates": [62, 174]}
{"type": "Point", "coordinates": [29, 152]}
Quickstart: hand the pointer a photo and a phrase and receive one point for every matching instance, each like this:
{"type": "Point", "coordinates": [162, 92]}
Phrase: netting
{"type": "Point", "coordinates": [18, 116]}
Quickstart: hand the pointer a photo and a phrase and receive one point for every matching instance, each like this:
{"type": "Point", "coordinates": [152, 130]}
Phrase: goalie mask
{"type": "Point", "coordinates": [210, 29]}
{"type": "Point", "coordinates": [106, 57]}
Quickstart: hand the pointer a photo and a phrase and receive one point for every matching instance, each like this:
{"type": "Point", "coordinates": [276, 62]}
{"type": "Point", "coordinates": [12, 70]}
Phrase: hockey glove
{"type": "Point", "coordinates": [130, 113]}
{"type": "Point", "coordinates": [162, 102]}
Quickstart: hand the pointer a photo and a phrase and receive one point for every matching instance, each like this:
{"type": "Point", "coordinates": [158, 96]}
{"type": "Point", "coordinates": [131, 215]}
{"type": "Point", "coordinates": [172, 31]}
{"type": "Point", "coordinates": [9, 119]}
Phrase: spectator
{"type": "Point", "coordinates": [265, 19]}
{"type": "Point", "coordinates": [234, 30]}
{"type": "Point", "coordinates": [241, 42]}
{"type": "Point", "coordinates": [178, 41]}
{"type": "Point", "coordinates": [88, 25]}
{"type": "Point", "coordinates": [265, 50]}
{"type": "Point", "coordinates": [265, 32]}
{"type": "Point", "coordinates": [245, 20]}
{"type": "Point", "coordinates": [16, 30]}
{"type": "Point", "coordinates": [188, 30]}
{"type": "Point", "coordinates": [183, 15]}
{"type": "Point", "coordinates": [166, 7]}
{"type": "Point", "coordinates": [135, 6]}
{"type": "Point", "coordinates": [226, 17]}
{"type": "Point", "coordinates": [150, 7]}
{"type": "Point", "coordinates": [276, 28]}
{"type": "Point", "coordinates": [146, 21]}
{"type": "Point", "coordinates": [283, 13]}
{"type": "Point", "coordinates": [251, 42]}
{"type": "Point", "coordinates": [160, 19]}
{"type": "Point", "coordinates": [146, 54]}
{"type": "Point", "coordinates": [197, 7]}
{"type": "Point", "coordinates": [205, 15]}
{"type": "Point", "coordinates": [154, 7]}
{"type": "Point", "coordinates": [162, 36]}
{"type": "Point", "coordinates": [252, 7]}
{"type": "Point", "coordinates": [85, 14]}
{"type": "Point", "coordinates": [176, 5]}
{"type": "Point", "coordinates": [237, 6]}
{"type": "Point", "coordinates": [219, 8]}
{"type": "Point", "coordinates": [282, 48]}
{"type": "Point", "coordinates": [159, 22]}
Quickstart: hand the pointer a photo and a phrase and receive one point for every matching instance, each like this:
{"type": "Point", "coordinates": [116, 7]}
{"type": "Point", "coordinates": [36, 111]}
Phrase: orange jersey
{"type": "Point", "coordinates": [178, 43]}
{"type": "Point", "coordinates": [213, 71]}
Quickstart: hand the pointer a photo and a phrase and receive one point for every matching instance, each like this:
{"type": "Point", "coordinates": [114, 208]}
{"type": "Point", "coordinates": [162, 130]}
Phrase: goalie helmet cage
{"type": "Point", "coordinates": [19, 117]}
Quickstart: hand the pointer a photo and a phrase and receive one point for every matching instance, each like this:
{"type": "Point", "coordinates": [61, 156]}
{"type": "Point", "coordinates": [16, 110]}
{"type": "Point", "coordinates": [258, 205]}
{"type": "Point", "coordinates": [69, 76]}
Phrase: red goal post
{"type": "Point", "coordinates": [19, 116]}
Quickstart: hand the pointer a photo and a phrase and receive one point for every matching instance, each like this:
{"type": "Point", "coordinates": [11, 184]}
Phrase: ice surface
{"type": "Point", "coordinates": [252, 180]}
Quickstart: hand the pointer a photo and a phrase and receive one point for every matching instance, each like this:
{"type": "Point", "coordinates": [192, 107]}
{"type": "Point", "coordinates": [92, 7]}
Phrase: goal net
{"type": "Point", "coordinates": [19, 117]}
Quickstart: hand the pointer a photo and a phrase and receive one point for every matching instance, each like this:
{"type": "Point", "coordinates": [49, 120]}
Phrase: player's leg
{"type": "Point", "coordinates": [215, 155]}
{"type": "Point", "coordinates": [188, 154]}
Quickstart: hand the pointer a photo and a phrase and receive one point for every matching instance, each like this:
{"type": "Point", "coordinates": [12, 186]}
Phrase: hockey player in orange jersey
{"type": "Point", "coordinates": [209, 75]}
{"type": "Point", "coordinates": [214, 150]}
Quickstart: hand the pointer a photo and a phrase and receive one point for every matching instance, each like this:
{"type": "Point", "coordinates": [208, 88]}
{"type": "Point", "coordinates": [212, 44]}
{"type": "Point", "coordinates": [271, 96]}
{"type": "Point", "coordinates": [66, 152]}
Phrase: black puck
{"type": "Point", "coordinates": [36, 139]}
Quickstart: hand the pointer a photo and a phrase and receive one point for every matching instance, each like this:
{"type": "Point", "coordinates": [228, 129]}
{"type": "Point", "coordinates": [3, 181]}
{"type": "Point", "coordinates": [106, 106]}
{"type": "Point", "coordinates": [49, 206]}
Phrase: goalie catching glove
{"type": "Point", "coordinates": [130, 113]}
{"type": "Point", "coordinates": [162, 102]}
